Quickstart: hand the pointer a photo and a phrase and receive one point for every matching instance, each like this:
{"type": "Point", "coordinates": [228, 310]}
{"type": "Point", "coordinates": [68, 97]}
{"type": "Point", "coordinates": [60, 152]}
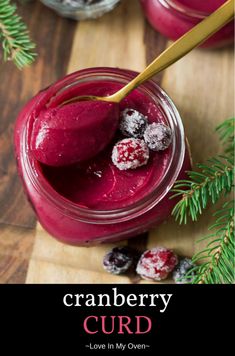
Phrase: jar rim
{"type": "Point", "coordinates": [130, 211]}
{"type": "Point", "coordinates": [183, 9]}
{"type": "Point", "coordinates": [82, 10]}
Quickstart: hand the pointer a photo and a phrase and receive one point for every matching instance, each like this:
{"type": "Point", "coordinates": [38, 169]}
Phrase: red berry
{"type": "Point", "coordinates": [156, 264]}
{"type": "Point", "coordinates": [130, 153]}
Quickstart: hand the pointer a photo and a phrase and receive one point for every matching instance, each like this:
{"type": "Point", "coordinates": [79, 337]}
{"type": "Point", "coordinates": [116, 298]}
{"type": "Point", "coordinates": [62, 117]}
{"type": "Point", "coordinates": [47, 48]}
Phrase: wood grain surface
{"type": "Point", "coordinates": [16, 87]}
{"type": "Point", "coordinates": [201, 86]}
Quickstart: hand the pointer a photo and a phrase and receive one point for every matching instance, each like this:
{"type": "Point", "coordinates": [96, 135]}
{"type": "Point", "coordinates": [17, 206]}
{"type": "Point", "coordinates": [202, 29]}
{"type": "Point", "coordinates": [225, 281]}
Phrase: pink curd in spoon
{"type": "Point", "coordinates": [74, 132]}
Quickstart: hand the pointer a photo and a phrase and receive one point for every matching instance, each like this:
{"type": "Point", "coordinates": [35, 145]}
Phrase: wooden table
{"type": "Point", "coordinates": [201, 85]}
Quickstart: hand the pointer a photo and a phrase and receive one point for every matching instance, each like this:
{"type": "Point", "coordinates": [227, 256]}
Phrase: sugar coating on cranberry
{"type": "Point", "coordinates": [130, 153]}
{"type": "Point", "coordinates": [158, 136]}
{"type": "Point", "coordinates": [156, 264]}
{"type": "Point", "coordinates": [119, 260]}
{"type": "Point", "coordinates": [180, 273]}
{"type": "Point", "coordinates": [133, 123]}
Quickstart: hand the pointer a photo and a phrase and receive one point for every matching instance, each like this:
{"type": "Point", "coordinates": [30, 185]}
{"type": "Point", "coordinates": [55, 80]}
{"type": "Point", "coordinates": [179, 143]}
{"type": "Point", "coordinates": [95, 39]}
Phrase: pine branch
{"type": "Point", "coordinates": [16, 43]}
{"type": "Point", "coordinates": [214, 179]}
{"type": "Point", "coordinates": [218, 258]}
{"type": "Point", "coordinates": [207, 185]}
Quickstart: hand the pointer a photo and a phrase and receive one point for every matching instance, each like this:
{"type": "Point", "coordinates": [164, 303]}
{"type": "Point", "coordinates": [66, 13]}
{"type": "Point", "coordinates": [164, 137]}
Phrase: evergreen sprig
{"type": "Point", "coordinates": [214, 180]}
{"type": "Point", "coordinates": [217, 260]}
{"type": "Point", "coordinates": [207, 185]}
{"type": "Point", "coordinates": [16, 43]}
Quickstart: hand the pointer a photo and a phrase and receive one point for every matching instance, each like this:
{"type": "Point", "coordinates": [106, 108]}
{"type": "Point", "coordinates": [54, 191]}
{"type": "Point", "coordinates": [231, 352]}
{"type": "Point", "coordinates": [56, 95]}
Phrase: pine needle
{"type": "Point", "coordinates": [213, 180]}
{"type": "Point", "coordinates": [16, 43]}
{"type": "Point", "coordinates": [205, 186]}
{"type": "Point", "coordinates": [218, 258]}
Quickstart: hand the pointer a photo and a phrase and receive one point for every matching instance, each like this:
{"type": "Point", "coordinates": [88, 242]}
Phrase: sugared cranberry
{"type": "Point", "coordinates": [156, 264]}
{"type": "Point", "coordinates": [119, 260]}
{"type": "Point", "coordinates": [133, 123]}
{"type": "Point", "coordinates": [130, 153]}
{"type": "Point", "coordinates": [180, 273]}
{"type": "Point", "coordinates": [158, 136]}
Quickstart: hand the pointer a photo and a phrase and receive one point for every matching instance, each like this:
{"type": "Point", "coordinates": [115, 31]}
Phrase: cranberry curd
{"type": "Point", "coordinates": [95, 199]}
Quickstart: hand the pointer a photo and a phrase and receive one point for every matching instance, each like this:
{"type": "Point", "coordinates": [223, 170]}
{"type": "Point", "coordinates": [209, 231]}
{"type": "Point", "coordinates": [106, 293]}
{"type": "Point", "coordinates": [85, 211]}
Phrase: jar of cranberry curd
{"type": "Point", "coordinates": [123, 190]}
{"type": "Point", "coordinates": [173, 18]}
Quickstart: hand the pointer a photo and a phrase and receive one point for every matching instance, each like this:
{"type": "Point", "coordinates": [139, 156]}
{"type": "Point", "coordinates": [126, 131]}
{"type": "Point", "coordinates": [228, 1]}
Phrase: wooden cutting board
{"type": "Point", "coordinates": [201, 85]}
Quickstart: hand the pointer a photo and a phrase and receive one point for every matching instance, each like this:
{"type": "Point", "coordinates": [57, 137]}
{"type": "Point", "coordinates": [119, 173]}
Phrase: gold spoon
{"type": "Point", "coordinates": [177, 50]}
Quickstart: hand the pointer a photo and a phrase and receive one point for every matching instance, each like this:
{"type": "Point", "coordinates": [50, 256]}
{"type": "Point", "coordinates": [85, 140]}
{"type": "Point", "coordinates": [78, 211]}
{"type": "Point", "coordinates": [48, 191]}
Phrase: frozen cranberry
{"type": "Point", "coordinates": [119, 260]}
{"type": "Point", "coordinates": [133, 123]}
{"type": "Point", "coordinates": [158, 136]}
{"type": "Point", "coordinates": [130, 153]}
{"type": "Point", "coordinates": [156, 264]}
{"type": "Point", "coordinates": [180, 273]}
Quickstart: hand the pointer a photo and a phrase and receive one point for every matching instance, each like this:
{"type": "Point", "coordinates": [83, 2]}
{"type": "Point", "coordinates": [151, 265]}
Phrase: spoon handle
{"type": "Point", "coordinates": [181, 47]}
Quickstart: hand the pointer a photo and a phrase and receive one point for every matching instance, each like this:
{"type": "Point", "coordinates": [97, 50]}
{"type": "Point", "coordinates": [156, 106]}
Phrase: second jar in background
{"type": "Point", "coordinates": [173, 18]}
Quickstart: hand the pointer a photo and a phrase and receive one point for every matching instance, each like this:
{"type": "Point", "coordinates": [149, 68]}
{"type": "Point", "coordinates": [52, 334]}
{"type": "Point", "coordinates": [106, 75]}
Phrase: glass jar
{"type": "Point", "coordinates": [81, 9]}
{"type": "Point", "coordinates": [173, 18]}
{"type": "Point", "coordinates": [74, 224]}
